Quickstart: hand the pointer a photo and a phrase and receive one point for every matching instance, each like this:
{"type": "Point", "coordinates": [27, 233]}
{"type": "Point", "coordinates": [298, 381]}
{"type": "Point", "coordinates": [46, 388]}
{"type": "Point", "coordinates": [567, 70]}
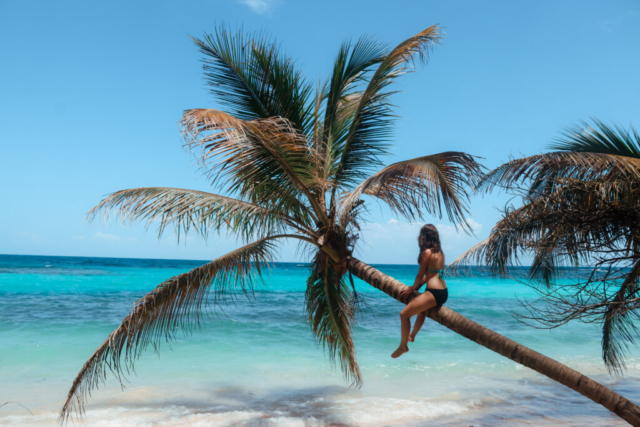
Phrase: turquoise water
{"type": "Point", "coordinates": [258, 365]}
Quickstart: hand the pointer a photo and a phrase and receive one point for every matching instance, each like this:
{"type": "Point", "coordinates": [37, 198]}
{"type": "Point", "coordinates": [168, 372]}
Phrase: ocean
{"type": "Point", "coordinates": [257, 364]}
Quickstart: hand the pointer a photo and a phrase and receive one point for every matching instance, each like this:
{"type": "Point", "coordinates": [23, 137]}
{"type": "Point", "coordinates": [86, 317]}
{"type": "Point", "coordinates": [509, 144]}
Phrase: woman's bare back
{"type": "Point", "coordinates": [435, 268]}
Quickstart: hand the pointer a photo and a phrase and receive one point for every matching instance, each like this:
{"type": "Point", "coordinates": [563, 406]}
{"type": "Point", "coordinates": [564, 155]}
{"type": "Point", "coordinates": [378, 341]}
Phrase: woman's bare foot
{"type": "Point", "coordinates": [412, 338]}
{"type": "Point", "coordinates": [400, 351]}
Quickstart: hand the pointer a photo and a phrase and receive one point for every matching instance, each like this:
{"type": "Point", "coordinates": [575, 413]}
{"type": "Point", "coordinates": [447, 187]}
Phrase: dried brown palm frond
{"type": "Point", "coordinates": [548, 168]}
{"type": "Point", "coordinates": [575, 225]}
{"type": "Point", "coordinates": [174, 304]}
{"type": "Point", "coordinates": [473, 257]}
{"type": "Point", "coordinates": [577, 217]}
{"type": "Point", "coordinates": [423, 185]}
{"type": "Point", "coordinates": [580, 207]}
{"type": "Point", "coordinates": [188, 210]}
{"type": "Point", "coordinates": [618, 327]}
{"type": "Point", "coordinates": [263, 160]}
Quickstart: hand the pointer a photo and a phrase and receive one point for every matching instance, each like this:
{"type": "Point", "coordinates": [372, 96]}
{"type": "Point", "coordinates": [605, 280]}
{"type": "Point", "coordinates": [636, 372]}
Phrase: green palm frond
{"type": "Point", "coordinates": [371, 125]}
{"type": "Point", "coordinates": [264, 160]}
{"type": "Point", "coordinates": [176, 303]}
{"type": "Point", "coordinates": [424, 185]}
{"type": "Point", "coordinates": [188, 210]}
{"type": "Point", "coordinates": [330, 307]}
{"type": "Point", "coordinates": [350, 70]}
{"type": "Point", "coordinates": [601, 139]}
{"type": "Point", "coordinates": [252, 79]}
{"type": "Point", "coordinates": [588, 154]}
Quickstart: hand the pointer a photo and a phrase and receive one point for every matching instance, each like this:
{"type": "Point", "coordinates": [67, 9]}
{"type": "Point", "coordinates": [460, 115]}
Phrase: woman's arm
{"type": "Point", "coordinates": [421, 278]}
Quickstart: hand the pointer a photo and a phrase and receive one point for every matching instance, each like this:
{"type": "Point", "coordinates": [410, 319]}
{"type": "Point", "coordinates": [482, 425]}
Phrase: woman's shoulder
{"type": "Point", "coordinates": [426, 254]}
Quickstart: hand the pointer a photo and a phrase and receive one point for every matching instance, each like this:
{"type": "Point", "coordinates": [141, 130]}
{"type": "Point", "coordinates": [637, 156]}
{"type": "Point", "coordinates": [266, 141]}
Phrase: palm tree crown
{"type": "Point", "coordinates": [580, 207]}
{"type": "Point", "coordinates": [290, 160]}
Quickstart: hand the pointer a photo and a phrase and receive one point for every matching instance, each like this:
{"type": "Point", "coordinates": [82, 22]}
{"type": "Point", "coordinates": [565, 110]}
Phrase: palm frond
{"type": "Point", "coordinates": [472, 257]}
{"type": "Point", "coordinates": [586, 154]}
{"type": "Point", "coordinates": [350, 69]}
{"type": "Point", "coordinates": [187, 210]}
{"type": "Point", "coordinates": [602, 139]}
{"type": "Point", "coordinates": [174, 304]}
{"type": "Point", "coordinates": [330, 306]}
{"type": "Point", "coordinates": [252, 79]}
{"type": "Point", "coordinates": [423, 185]}
{"type": "Point", "coordinates": [544, 172]}
{"type": "Point", "coordinates": [265, 160]}
{"type": "Point", "coordinates": [370, 127]}
{"type": "Point", "coordinates": [618, 328]}
{"type": "Point", "coordinates": [562, 228]}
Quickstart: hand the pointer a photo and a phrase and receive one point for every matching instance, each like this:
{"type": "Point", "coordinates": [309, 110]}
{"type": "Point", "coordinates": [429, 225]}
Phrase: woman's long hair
{"type": "Point", "coordinates": [429, 238]}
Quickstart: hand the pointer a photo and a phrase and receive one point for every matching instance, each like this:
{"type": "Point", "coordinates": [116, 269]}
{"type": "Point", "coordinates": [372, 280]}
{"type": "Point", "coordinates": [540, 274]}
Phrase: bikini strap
{"type": "Point", "coordinates": [440, 272]}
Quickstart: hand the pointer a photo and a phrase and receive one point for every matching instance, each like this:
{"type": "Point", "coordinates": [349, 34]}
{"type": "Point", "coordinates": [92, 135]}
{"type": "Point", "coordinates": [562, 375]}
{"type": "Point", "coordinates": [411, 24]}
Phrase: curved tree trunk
{"type": "Point", "coordinates": [540, 363]}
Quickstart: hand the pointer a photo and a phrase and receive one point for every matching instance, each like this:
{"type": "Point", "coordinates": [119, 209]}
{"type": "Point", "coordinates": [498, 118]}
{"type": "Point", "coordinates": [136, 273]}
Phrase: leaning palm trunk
{"type": "Point", "coordinates": [540, 363]}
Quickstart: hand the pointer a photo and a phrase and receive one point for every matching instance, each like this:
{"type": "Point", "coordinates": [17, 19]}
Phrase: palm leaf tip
{"type": "Point", "coordinates": [175, 304]}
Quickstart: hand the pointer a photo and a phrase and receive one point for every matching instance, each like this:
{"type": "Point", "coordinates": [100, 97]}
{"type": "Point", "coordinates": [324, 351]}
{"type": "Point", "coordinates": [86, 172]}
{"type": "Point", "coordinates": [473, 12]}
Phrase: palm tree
{"type": "Point", "coordinates": [580, 207]}
{"type": "Point", "coordinates": [293, 162]}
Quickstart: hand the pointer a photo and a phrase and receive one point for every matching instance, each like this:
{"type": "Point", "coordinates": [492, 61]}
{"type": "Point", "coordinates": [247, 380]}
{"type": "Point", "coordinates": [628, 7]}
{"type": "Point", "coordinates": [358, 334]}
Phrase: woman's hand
{"type": "Point", "coordinates": [407, 292]}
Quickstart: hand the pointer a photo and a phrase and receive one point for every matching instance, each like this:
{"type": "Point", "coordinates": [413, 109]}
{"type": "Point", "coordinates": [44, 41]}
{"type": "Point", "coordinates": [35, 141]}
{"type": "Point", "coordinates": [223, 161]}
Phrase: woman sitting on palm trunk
{"type": "Point", "coordinates": [431, 260]}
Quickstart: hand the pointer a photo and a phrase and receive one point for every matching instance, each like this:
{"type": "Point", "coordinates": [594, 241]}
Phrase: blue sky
{"type": "Point", "coordinates": [91, 93]}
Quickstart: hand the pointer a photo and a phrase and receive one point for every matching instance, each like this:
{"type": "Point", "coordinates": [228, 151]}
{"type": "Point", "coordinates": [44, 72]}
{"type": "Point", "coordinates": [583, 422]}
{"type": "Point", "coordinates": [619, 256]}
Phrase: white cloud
{"type": "Point", "coordinates": [450, 230]}
{"type": "Point", "coordinates": [611, 24]}
{"type": "Point", "coordinates": [475, 226]}
{"type": "Point", "coordinates": [27, 236]}
{"type": "Point", "coordinates": [109, 237]}
{"type": "Point", "coordinates": [258, 6]}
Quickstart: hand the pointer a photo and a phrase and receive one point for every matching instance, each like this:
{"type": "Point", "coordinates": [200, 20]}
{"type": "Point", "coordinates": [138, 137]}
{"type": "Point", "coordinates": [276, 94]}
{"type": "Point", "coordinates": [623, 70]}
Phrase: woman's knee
{"type": "Point", "coordinates": [405, 314]}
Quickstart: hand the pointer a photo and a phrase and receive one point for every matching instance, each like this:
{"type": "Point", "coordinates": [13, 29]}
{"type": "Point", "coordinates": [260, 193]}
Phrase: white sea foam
{"type": "Point", "coordinates": [319, 411]}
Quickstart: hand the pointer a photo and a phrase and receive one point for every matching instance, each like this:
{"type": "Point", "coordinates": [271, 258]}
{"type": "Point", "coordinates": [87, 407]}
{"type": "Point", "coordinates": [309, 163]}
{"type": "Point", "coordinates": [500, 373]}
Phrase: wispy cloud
{"type": "Point", "coordinates": [27, 236]}
{"type": "Point", "coordinates": [259, 6]}
{"type": "Point", "coordinates": [107, 237]}
{"type": "Point", "coordinates": [610, 24]}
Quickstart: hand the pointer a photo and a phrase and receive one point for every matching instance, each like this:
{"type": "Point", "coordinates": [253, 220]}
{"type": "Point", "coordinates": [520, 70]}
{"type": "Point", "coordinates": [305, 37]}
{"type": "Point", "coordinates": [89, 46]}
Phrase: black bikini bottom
{"type": "Point", "coordinates": [440, 295]}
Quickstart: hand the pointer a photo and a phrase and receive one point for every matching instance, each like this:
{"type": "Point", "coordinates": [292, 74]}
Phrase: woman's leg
{"type": "Point", "coordinates": [419, 304]}
{"type": "Point", "coordinates": [416, 326]}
